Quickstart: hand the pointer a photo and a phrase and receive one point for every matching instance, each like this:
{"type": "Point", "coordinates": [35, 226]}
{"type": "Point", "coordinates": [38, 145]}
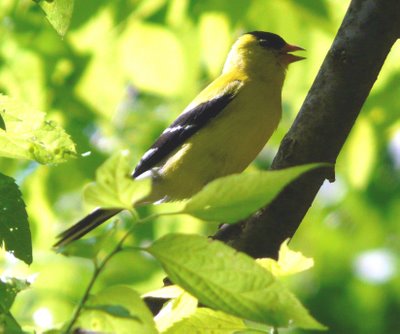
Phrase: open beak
{"type": "Point", "coordinates": [288, 58]}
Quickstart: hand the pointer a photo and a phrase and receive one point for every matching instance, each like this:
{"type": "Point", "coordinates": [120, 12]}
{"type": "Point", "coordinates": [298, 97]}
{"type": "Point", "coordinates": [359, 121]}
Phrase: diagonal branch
{"type": "Point", "coordinates": [368, 31]}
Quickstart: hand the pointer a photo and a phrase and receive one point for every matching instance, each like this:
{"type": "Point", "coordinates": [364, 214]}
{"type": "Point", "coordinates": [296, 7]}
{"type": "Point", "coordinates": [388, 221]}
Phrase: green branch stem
{"type": "Point", "coordinates": [99, 267]}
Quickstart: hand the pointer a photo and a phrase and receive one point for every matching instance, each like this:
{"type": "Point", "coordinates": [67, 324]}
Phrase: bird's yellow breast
{"type": "Point", "coordinates": [227, 145]}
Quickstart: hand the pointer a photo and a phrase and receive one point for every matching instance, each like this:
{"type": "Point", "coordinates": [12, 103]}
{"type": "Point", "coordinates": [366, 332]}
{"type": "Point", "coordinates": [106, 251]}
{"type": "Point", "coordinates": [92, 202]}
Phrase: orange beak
{"type": "Point", "coordinates": [288, 58]}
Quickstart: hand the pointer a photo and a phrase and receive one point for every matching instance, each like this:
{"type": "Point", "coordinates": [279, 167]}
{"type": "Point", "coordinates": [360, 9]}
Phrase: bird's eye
{"type": "Point", "coordinates": [272, 43]}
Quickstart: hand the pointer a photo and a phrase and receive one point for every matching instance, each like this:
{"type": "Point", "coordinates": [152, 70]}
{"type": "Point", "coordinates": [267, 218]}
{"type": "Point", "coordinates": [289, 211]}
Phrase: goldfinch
{"type": "Point", "coordinates": [220, 132]}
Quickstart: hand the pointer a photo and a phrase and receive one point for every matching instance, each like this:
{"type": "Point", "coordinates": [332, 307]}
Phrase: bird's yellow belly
{"type": "Point", "coordinates": [231, 142]}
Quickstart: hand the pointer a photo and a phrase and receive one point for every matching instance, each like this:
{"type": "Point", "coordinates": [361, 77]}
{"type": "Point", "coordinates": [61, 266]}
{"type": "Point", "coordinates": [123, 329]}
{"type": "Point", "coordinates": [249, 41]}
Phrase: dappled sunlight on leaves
{"type": "Point", "coordinates": [114, 74]}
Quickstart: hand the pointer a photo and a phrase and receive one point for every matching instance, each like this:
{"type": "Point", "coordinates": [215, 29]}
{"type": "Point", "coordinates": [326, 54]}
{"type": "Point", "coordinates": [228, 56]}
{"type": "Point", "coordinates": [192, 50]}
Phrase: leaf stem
{"type": "Point", "coordinates": [99, 268]}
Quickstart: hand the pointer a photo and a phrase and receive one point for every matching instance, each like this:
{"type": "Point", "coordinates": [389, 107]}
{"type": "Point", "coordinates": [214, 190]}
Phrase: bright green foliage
{"type": "Point", "coordinates": [114, 186]}
{"type": "Point", "coordinates": [361, 153]}
{"type": "Point", "coordinates": [117, 309]}
{"type": "Point", "coordinates": [174, 310]}
{"type": "Point", "coordinates": [167, 292]}
{"type": "Point", "coordinates": [232, 198]}
{"type": "Point", "coordinates": [207, 321]}
{"type": "Point", "coordinates": [14, 227]}
{"type": "Point", "coordinates": [29, 135]}
{"type": "Point", "coordinates": [58, 12]}
{"type": "Point", "coordinates": [181, 315]}
{"type": "Point", "coordinates": [230, 281]}
{"type": "Point", "coordinates": [123, 71]}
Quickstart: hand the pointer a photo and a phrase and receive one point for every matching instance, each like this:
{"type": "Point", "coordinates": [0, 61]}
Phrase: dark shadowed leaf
{"type": "Point", "coordinates": [14, 227]}
{"type": "Point", "coordinates": [2, 123]}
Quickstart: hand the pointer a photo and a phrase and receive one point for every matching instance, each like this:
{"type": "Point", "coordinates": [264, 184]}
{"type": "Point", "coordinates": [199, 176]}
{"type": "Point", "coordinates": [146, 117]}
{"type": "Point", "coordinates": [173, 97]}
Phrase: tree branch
{"type": "Point", "coordinates": [351, 67]}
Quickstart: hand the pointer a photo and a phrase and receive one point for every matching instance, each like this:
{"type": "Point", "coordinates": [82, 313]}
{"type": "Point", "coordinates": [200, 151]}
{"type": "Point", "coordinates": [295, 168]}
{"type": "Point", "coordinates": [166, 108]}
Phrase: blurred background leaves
{"type": "Point", "coordinates": [127, 68]}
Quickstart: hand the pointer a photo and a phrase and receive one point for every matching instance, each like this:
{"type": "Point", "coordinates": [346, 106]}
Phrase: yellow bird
{"type": "Point", "coordinates": [220, 132]}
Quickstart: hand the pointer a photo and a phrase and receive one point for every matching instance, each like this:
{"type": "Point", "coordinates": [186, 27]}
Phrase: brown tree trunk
{"type": "Point", "coordinates": [368, 31]}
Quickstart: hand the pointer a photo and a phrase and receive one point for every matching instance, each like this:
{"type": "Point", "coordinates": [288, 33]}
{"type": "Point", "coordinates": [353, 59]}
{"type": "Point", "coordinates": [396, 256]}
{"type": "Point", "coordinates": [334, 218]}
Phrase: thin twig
{"type": "Point", "coordinates": [99, 268]}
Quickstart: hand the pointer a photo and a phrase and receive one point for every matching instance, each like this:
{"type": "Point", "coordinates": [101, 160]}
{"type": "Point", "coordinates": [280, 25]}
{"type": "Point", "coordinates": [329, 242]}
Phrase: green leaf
{"type": "Point", "coordinates": [230, 281]}
{"type": "Point", "coordinates": [235, 197]}
{"type": "Point", "coordinates": [14, 227]}
{"type": "Point", "coordinates": [114, 310]}
{"type": "Point", "coordinates": [289, 262]}
{"type": "Point", "coordinates": [207, 321]}
{"type": "Point", "coordinates": [166, 292]}
{"type": "Point", "coordinates": [8, 324]}
{"type": "Point", "coordinates": [175, 310]}
{"type": "Point", "coordinates": [215, 49]}
{"type": "Point", "coordinates": [30, 136]}
{"type": "Point", "coordinates": [114, 186]}
{"type": "Point", "coordinates": [143, 69]}
{"type": "Point", "coordinates": [9, 288]}
{"type": "Point", "coordinates": [361, 152]}
{"type": "Point", "coordinates": [117, 309]}
{"type": "Point", "coordinates": [58, 13]}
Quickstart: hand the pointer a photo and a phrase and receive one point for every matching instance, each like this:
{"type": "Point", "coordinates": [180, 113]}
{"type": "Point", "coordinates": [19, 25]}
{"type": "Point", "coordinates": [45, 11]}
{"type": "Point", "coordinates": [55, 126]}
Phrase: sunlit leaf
{"type": "Point", "coordinates": [103, 66]}
{"type": "Point", "coordinates": [117, 309]}
{"type": "Point", "coordinates": [215, 49]}
{"type": "Point", "coordinates": [167, 292]}
{"type": "Point", "coordinates": [289, 262]}
{"type": "Point", "coordinates": [235, 197]}
{"type": "Point", "coordinates": [146, 69]}
{"type": "Point", "coordinates": [361, 153]}
{"type": "Point", "coordinates": [114, 186]}
{"type": "Point", "coordinates": [58, 13]}
{"type": "Point", "coordinates": [15, 234]}
{"type": "Point", "coordinates": [30, 136]}
{"type": "Point", "coordinates": [175, 310]}
{"type": "Point", "coordinates": [23, 73]}
{"type": "Point", "coordinates": [230, 281]}
{"type": "Point", "coordinates": [145, 9]}
{"type": "Point", "coordinates": [207, 321]}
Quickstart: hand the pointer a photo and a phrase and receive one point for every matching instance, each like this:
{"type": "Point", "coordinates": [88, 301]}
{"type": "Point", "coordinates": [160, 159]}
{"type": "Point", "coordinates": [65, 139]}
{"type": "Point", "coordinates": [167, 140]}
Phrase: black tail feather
{"type": "Point", "coordinates": [85, 225]}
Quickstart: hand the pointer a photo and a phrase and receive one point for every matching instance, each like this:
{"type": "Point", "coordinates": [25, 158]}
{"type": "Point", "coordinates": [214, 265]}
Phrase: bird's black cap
{"type": "Point", "coordinates": [268, 39]}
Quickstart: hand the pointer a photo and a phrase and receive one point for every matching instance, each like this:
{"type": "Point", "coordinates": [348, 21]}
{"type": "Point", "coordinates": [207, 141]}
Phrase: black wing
{"type": "Point", "coordinates": [185, 126]}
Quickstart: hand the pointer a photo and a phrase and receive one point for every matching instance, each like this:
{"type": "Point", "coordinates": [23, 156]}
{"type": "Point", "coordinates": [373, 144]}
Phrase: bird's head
{"type": "Point", "coordinates": [261, 52]}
